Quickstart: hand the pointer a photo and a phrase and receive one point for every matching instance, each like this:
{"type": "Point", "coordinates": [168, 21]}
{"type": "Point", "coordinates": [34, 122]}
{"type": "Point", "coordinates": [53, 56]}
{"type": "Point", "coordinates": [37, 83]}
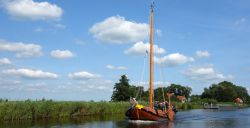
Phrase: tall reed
{"type": "Point", "coordinates": [34, 110]}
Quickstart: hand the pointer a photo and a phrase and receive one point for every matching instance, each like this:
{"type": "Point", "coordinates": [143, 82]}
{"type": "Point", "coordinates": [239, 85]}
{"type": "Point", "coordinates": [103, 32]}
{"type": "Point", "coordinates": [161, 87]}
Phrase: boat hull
{"type": "Point", "coordinates": [146, 113]}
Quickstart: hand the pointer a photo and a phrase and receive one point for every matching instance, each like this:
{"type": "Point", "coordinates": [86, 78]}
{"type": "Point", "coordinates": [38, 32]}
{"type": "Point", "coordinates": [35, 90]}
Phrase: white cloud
{"type": "Point", "coordinates": [4, 61]}
{"type": "Point", "coordinates": [145, 84]}
{"type": "Point", "coordinates": [116, 67]}
{"type": "Point", "coordinates": [5, 82]}
{"type": "Point", "coordinates": [79, 41]}
{"type": "Point", "coordinates": [202, 54]}
{"type": "Point", "coordinates": [53, 28]}
{"type": "Point", "coordinates": [117, 29]}
{"type": "Point", "coordinates": [83, 75]}
{"type": "Point", "coordinates": [205, 74]}
{"type": "Point", "coordinates": [60, 26]}
{"type": "Point", "coordinates": [29, 9]}
{"type": "Point", "coordinates": [240, 21]}
{"type": "Point", "coordinates": [140, 48]}
{"type": "Point", "coordinates": [61, 54]}
{"type": "Point", "coordinates": [158, 32]}
{"type": "Point", "coordinates": [100, 84]}
{"type": "Point", "coordinates": [29, 73]}
{"type": "Point", "coordinates": [172, 60]}
{"type": "Point", "coordinates": [37, 87]}
{"type": "Point", "coordinates": [39, 29]}
{"type": "Point", "coordinates": [21, 49]}
{"type": "Point", "coordinates": [90, 85]}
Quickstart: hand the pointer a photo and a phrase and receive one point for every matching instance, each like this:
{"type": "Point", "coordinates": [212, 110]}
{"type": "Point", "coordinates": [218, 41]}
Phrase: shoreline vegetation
{"type": "Point", "coordinates": [224, 94]}
{"type": "Point", "coordinates": [48, 109]}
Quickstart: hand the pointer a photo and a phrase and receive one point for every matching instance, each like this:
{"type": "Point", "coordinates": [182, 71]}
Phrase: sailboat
{"type": "Point", "coordinates": [150, 113]}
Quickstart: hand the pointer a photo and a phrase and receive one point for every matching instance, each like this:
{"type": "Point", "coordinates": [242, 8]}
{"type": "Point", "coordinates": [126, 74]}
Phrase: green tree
{"type": "Point", "coordinates": [159, 93]}
{"type": "Point", "coordinates": [136, 92]}
{"type": "Point", "coordinates": [242, 93]}
{"type": "Point", "coordinates": [179, 90]}
{"type": "Point", "coordinates": [173, 88]}
{"type": "Point", "coordinates": [225, 92]}
{"type": "Point", "coordinates": [145, 95]}
{"type": "Point", "coordinates": [121, 90]}
{"type": "Point", "coordinates": [195, 98]}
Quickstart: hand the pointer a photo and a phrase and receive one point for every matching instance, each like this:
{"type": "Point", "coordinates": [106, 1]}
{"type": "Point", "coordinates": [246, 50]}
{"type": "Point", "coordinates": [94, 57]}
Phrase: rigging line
{"type": "Point", "coordinates": [164, 101]}
{"type": "Point", "coordinates": [162, 73]}
{"type": "Point", "coordinates": [142, 74]}
{"type": "Point", "coordinates": [163, 78]}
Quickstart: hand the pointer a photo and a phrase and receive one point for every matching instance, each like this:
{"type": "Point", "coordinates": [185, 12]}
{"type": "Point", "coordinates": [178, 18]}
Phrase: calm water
{"type": "Point", "coordinates": [186, 119]}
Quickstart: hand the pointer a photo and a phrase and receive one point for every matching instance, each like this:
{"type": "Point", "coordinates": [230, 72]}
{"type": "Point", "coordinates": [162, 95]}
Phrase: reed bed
{"type": "Point", "coordinates": [35, 110]}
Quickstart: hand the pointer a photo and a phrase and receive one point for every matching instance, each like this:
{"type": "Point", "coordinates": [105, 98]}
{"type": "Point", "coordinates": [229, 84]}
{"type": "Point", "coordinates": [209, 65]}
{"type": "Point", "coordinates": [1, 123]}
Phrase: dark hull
{"type": "Point", "coordinates": [146, 113]}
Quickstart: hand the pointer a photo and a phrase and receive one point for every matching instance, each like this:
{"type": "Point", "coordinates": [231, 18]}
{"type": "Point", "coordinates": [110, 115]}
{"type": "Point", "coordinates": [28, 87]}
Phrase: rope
{"type": "Point", "coordinates": [165, 107]}
{"type": "Point", "coordinates": [142, 76]}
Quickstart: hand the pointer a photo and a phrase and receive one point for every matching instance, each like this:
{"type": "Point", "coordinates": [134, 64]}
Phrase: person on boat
{"type": "Point", "coordinates": [166, 104]}
{"type": "Point", "coordinates": [133, 102]}
{"type": "Point", "coordinates": [173, 107]}
{"type": "Point", "coordinates": [161, 106]}
{"type": "Point", "coordinates": [156, 105]}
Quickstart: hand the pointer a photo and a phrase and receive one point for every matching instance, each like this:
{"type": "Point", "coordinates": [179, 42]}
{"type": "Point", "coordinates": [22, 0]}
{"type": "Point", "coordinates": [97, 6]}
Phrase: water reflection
{"type": "Point", "coordinates": [151, 125]}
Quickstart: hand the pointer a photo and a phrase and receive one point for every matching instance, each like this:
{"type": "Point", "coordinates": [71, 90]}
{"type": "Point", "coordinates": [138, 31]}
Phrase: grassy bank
{"type": "Point", "coordinates": [48, 109]}
{"type": "Point", "coordinates": [35, 110]}
{"type": "Point", "coordinates": [44, 109]}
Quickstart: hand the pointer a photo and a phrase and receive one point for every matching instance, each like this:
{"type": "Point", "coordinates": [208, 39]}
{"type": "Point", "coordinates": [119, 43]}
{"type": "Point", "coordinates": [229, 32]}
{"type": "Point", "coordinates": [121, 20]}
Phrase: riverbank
{"type": "Point", "coordinates": [199, 118]}
{"type": "Point", "coordinates": [48, 109]}
{"type": "Point", "coordinates": [37, 110]}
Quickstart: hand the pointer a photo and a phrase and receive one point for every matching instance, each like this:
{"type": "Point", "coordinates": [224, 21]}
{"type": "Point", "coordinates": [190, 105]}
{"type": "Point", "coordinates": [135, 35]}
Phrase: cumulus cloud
{"type": "Point", "coordinates": [37, 87]}
{"type": "Point", "coordinates": [101, 84]}
{"type": "Point", "coordinates": [205, 74]}
{"type": "Point", "coordinates": [117, 29]}
{"type": "Point", "coordinates": [140, 48]}
{"type": "Point", "coordinates": [31, 10]}
{"type": "Point", "coordinates": [5, 82]}
{"type": "Point", "coordinates": [84, 75]}
{"type": "Point", "coordinates": [202, 54]}
{"type": "Point", "coordinates": [53, 28]}
{"type": "Point", "coordinates": [116, 67]}
{"type": "Point", "coordinates": [21, 49]}
{"type": "Point", "coordinates": [29, 73]}
{"type": "Point", "coordinates": [145, 84]}
{"type": "Point", "coordinates": [4, 61]}
{"type": "Point", "coordinates": [61, 54]}
{"type": "Point", "coordinates": [172, 60]}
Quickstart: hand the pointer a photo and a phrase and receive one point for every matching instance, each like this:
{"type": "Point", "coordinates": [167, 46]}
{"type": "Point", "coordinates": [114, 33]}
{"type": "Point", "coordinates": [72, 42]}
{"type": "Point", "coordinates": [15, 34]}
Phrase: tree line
{"type": "Point", "coordinates": [222, 92]}
{"type": "Point", "coordinates": [226, 92]}
{"type": "Point", "coordinates": [123, 91]}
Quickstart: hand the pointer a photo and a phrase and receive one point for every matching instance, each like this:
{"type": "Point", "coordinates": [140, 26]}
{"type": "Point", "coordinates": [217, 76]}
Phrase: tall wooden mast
{"type": "Point", "coordinates": [151, 79]}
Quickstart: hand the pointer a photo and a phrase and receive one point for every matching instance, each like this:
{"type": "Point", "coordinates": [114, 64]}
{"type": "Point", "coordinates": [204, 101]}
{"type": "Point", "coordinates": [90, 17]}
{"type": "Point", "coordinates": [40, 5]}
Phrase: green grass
{"type": "Point", "coordinates": [35, 110]}
{"type": "Point", "coordinates": [48, 109]}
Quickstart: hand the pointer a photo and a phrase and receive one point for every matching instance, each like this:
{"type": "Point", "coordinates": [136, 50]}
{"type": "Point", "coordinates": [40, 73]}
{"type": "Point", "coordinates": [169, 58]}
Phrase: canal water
{"type": "Point", "coordinates": [200, 118]}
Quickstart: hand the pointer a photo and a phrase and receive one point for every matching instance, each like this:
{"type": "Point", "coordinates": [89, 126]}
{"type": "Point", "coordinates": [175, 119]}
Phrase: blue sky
{"type": "Point", "coordinates": [77, 50]}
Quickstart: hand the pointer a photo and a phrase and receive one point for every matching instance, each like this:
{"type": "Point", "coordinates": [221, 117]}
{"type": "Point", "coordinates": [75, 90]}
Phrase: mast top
{"type": "Point", "coordinates": [152, 6]}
